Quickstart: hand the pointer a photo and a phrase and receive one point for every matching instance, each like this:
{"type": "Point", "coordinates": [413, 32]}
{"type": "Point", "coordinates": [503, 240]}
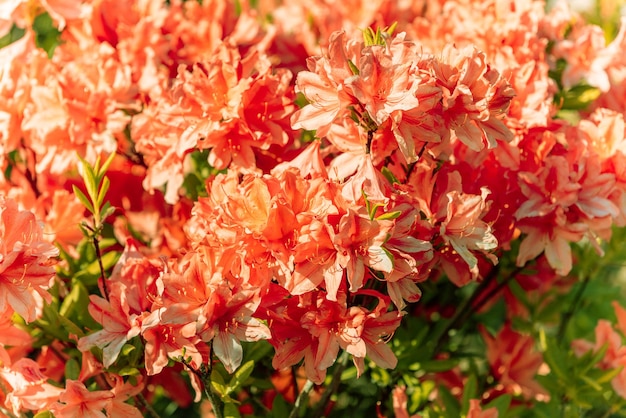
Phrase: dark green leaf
{"type": "Point", "coordinates": [231, 411]}
{"type": "Point", "coordinates": [241, 375]}
{"type": "Point", "coordinates": [280, 408]}
{"type": "Point", "coordinates": [72, 369]}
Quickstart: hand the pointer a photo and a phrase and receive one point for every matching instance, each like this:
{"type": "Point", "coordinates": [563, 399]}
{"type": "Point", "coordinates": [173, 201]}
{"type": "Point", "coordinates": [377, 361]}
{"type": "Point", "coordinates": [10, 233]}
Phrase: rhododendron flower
{"type": "Point", "coordinates": [78, 401]}
{"type": "Point", "coordinates": [315, 328]}
{"type": "Point", "coordinates": [122, 392]}
{"type": "Point", "coordinates": [456, 220]}
{"type": "Point", "coordinates": [324, 86]}
{"type": "Point", "coordinates": [587, 57]}
{"type": "Point", "coordinates": [360, 243]}
{"type": "Point", "coordinates": [165, 341]}
{"type": "Point", "coordinates": [475, 97]}
{"type": "Point", "coordinates": [377, 328]}
{"type": "Point", "coordinates": [26, 262]}
{"type": "Point", "coordinates": [118, 323]}
{"type": "Point", "coordinates": [384, 83]}
{"type": "Point", "coordinates": [567, 197]}
{"type": "Point", "coordinates": [28, 388]}
{"type": "Point", "coordinates": [231, 323]}
{"type": "Point", "coordinates": [77, 107]}
{"type": "Point", "coordinates": [464, 230]}
{"type": "Point", "coordinates": [400, 401]}
{"type": "Point", "coordinates": [608, 338]}
{"type": "Point", "coordinates": [231, 104]}
{"type": "Point", "coordinates": [514, 362]}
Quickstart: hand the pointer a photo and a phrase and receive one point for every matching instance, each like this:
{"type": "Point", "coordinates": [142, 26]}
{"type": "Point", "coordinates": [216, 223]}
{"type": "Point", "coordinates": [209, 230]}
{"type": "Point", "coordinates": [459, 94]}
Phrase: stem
{"type": "Point", "coordinates": [466, 307]}
{"type": "Point", "coordinates": [567, 316]}
{"type": "Point", "coordinates": [370, 138]}
{"type": "Point", "coordinates": [105, 288]}
{"type": "Point", "coordinates": [334, 385]}
{"type": "Point", "coordinates": [146, 405]}
{"type": "Point", "coordinates": [294, 380]}
{"type": "Point", "coordinates": [301, 399]}
{"type": "Point", "coordinates": [216, 402]}
{"type": "Point", "coordinates": [205, 377]}
{"type": "Point", "coordinates": [411, 166]}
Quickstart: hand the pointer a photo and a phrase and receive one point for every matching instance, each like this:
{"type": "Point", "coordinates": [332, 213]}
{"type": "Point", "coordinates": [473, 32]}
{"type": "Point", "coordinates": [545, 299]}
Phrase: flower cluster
{"type": "Point", "coordinates": [292, 185]}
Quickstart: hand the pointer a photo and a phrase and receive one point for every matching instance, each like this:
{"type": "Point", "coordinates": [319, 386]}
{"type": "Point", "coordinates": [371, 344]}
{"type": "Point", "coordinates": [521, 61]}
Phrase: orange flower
{"type": "Point", "coordinates": [360, 244]}
{"type": "Point", "coordinates": [615, 356]}
{"type": "Point", "coordinates": [475, 97]}
{"type": "Point", "coordinates": [324, 86]}
{"type": "Point", "coordinates": [384, 84]}
{"type": "Point", "coordinates": [476, 411]}
{"type": "Point", "coordinates": [514, 362]}
{"type": "Point", "coordinates": [27, 387]}
{"type": "Point", "coordinates": [119, 325]}
{"type": "Point", "coordinates": [400, 401]}
{"type": "Point", "coordinates": [78, 401]}
{"type": "Point", "coordinates": [26, 262]}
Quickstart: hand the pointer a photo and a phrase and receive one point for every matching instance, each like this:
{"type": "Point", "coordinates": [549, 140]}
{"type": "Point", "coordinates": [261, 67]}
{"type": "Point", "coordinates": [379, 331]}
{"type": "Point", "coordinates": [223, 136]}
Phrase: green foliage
{"type": "Point", "coordinates": [97, 186]}
{"type": "Point", "coordinates": [378, 37]}
{"type": "Point", "coordinates": [15, 34]}
{"type": "Point", "coordinates": [48, 36]}
{"type": "Point", "coordinates": [194, 183]}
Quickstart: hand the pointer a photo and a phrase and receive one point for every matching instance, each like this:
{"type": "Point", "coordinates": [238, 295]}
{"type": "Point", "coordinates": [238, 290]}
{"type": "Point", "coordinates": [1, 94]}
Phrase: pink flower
{"type": "Point", "coordinates": [118, 324]}
{"type": "Point", "coordinates": [514, 362]}
{"type": "Point", "coordinates": [26, 262]}
{"type": "Point", "coordinates": [78, 401]}
{"type": "Point", "coordinates": [384, 83]}
{"type": "Point", "coordinates": [475, 97]}
{"type": "Point", "coordinates": [27, 387]}
{"type": "Point", "coordinates": [324, 86]}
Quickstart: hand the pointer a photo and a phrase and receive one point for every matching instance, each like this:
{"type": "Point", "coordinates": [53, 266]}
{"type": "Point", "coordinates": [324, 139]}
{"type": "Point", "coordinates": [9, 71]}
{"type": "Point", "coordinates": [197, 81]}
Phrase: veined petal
{"type": "Point", "coordinates": [228, 349]}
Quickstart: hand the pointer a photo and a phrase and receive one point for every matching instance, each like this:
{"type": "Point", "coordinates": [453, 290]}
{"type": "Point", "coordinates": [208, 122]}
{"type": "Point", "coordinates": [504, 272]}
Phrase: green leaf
{"type": "Point", "coordinates": [501, 403]}
{"type": "Point", "coordinates": [389, 215]}
{"type": "Point", "coordinates": [44, 414]}
{"type": "Point", "coordinates": [15, 34]}
{"type": "Point", "coordinates": [106, 211]}
{"type": "Point", "coordinates": [102, 170]}
{"type": "Point", "coordinates": [127, 349]}
{"type": "Point", "coordinates": [231, 411]}
{"type": "Point", "coordinates": [255, 351]}
{"type": "Point", "coordinates": [89, 178]}
{"type": "Point", "coordinates": [280, 408]}
{"type": "Point", "coordinates": [218, 384]}
{"type": "Point", "coordinates": [104, 188]}
{"type": "Point", "coordinates": [72, 369]}
{"type": "Point", "coordinates": [70, 327]}
{"type": "Point", "coordinates": [47, 35]}
{"type": "Point", "coordinates": [603, 376]}
{"type": "Point", "coordinates": [591, 383]}
{"type": "Point", "coordinates": [555, 358]}
{"type": "Point", "coordinates": [391, 178]}
{"type": "Point", "coordinates": [578, 97]}
{"type": "Point", "coordinates": [68, 305]}
{"type": "Point", "coordinates": [469, 392]}
{"type": "Point", "coordinates": [451, 404]}
{"type": "Point", "coordinates": [128, 371]}
{"type": "Point", "coordinates": [108, 261]}
{"type": "Point", "coordinates": [241, 375]}
{"type": "Point", "coordinates": [353, 68]}
{"type": "Point", "coordinates": [83, 199]}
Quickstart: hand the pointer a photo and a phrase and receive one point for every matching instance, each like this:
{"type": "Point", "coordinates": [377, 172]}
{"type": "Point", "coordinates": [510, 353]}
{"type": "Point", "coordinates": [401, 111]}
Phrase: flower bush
{"type": "Point", "coordinates": [304, 209]}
